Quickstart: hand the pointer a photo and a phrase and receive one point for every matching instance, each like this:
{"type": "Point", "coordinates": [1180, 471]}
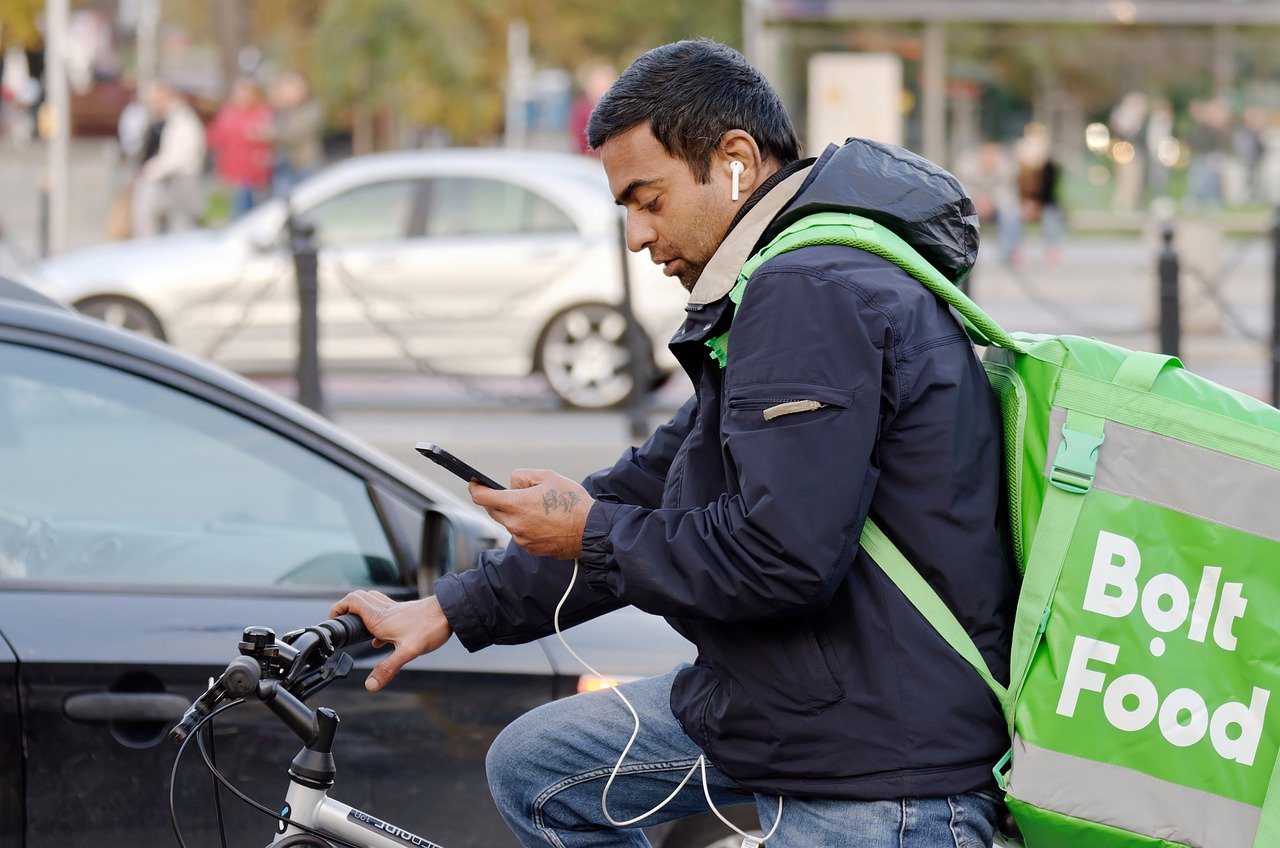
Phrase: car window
{"type": "Point", "coordinates": [374, 212]}
{"type": "Point", "coordinates": [110, 477]}
{"type": "Point", "coordinates": [460, 206]}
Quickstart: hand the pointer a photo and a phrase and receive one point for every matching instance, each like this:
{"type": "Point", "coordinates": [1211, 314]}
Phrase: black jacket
{"type": "Point", "coordinates": [815, 676]}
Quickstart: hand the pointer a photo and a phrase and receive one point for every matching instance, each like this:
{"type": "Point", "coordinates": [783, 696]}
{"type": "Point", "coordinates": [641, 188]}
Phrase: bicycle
{"type": "Point", "coordinates": [282, 674]}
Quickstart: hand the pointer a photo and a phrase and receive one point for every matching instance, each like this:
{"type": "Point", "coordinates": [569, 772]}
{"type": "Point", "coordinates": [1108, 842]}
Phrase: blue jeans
{"type": "Point", "coordinates": [548, 768]}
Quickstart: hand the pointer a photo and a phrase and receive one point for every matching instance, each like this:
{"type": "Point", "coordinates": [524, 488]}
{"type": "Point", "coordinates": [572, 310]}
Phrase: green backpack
{"type": "Point", "coordinates": [1144, 510]}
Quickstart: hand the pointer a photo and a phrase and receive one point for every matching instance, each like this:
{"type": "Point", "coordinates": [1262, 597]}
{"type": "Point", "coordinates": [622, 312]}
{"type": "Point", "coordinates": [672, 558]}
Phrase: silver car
{"type": "Point", "coordinates": [460, 262]}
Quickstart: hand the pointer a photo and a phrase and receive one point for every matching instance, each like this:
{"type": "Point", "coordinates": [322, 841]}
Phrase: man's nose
{"type": "Point", "coordinates": [639, 234]}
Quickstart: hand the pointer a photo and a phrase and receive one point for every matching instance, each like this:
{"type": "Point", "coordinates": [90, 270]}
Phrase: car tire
{"type": "Point", "coordinates": [707, 831]}
{"type": "Point", "coordinates": [123, 312]}
{"type": "Point", "coordinates": [582, 352]}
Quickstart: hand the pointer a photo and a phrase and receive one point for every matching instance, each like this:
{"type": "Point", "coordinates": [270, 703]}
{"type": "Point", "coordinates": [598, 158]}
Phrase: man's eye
{"type": "Point", "coordinates": [651, 206]}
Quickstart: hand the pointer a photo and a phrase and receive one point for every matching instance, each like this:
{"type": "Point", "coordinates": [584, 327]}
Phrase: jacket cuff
{"type": "Point", "coordinates": [596, 546]}
{"type": "Point", "coordinates": [461, 614]}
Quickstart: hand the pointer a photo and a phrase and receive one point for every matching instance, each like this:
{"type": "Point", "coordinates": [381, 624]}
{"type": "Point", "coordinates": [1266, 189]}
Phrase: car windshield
{"type": "Point", "coordinates": [111, 477]}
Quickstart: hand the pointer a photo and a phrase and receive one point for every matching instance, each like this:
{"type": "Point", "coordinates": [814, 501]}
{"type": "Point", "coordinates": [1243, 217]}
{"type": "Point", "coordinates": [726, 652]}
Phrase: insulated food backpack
{"type": "Point", "coordinates": [1144, 515]}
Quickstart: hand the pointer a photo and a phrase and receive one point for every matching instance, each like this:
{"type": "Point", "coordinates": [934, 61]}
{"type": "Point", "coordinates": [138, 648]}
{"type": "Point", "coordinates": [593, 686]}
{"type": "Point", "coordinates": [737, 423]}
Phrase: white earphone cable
{"type": "Point", "coordinates": [700, 763]}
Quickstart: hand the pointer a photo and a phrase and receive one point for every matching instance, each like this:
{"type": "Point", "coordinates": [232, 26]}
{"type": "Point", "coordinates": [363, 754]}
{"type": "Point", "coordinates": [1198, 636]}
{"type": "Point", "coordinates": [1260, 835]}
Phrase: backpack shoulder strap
{"type": "Point", "coordinates": [922, 596]}
{"type": "Point", "coordinates": [862, 233]}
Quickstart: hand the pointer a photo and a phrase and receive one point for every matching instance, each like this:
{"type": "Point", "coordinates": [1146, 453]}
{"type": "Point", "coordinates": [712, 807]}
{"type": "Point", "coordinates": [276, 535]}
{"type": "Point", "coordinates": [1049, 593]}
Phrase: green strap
{"type": "Point", "coordinates": [1141, 368]}
{"type": "Point", "coordinates": [855, 231]}
{"type": "Point", "coordinates": [922, 596]}
{"type": "Point", "coordinates": [1268, 835]}
{"type": "Point", "coordinates": [1058, 518]}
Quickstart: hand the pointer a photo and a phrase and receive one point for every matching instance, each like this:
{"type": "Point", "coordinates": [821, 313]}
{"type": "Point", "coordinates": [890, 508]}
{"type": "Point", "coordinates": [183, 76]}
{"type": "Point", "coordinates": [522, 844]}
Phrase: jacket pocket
{"type": "Point", "coordinates": [755, 404]}
{"type": "Point", "coordinates": [778, 660]}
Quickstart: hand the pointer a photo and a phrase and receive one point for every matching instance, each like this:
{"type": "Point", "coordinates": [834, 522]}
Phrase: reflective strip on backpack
{"type": "Point", "coordinates": [1128, 799]}
{"type": "Point", "coordinates": [1167, 472]}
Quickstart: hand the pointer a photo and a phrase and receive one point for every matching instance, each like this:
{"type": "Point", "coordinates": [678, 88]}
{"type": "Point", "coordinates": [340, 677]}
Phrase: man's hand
{"type": "Point", "coordinates": [544, 512]}
{"type": "Point", "coordinates": [413, 627]}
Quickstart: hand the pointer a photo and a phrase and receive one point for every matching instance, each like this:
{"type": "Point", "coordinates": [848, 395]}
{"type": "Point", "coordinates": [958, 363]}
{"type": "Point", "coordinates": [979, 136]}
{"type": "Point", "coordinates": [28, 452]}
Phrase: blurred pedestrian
{"type": "Point", "coordinates": [132, 131]}
{"type": "Point", "coordinates": [297, 127]}
{"type": "Point", "coordinates": [989, 178]}
{"type": "Point", "coordinates": [166, 194]}
{"type": "Point", "coordinates": [240, 138]}
{"type": "Point", "coordinates": [594, 79]}
{"type": "Point", "coordinates": [1250, 147]}
{"type": "Point", "coordinates": [1038, 189]}
{"type": "Point", "coordinates": [1207, 141]}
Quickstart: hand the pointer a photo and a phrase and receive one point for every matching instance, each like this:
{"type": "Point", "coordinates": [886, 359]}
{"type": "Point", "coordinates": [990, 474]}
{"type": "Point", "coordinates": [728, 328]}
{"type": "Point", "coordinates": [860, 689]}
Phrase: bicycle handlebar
{"type": "Point", "coordinates": [285, 664]}
{"type": "Point", "coordinates": [346, 629]}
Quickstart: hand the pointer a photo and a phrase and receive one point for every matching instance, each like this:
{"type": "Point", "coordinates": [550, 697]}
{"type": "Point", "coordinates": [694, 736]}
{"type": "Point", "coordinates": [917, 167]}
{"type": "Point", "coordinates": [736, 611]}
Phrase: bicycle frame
{"type": "Point", "coordinates": [314, 808]}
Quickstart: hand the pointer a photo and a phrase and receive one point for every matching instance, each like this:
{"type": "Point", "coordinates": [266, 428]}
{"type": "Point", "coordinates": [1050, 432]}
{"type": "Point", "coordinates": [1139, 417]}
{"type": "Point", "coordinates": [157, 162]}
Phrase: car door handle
{"type": "Point", "coordinates": [125, 706]}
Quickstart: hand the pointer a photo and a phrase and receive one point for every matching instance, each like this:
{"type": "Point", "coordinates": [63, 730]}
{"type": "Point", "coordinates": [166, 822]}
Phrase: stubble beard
{"type": "Point", "coordinates": [690, 276]}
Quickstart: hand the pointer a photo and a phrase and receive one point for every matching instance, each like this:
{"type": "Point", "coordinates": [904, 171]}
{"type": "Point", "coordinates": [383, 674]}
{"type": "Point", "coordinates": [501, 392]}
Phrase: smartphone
{"type": "Point", "coordinates": [449, 462]}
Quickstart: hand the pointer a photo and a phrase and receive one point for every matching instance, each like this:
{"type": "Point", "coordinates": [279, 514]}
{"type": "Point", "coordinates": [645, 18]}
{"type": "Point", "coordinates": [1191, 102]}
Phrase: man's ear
{"type": "Point", "coordinates": [739, 146]}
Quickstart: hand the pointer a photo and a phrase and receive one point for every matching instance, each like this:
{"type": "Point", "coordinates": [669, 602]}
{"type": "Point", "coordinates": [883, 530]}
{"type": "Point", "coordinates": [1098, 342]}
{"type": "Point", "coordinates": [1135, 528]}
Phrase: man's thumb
{"type": "Point", "coordinates": [385, 670]}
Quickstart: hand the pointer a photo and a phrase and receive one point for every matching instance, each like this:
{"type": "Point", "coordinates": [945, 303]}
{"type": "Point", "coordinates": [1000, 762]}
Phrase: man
{"type": "Point", "coordinates": [167, 190]}
{"type": "Point", "coordinates": [849, 390]}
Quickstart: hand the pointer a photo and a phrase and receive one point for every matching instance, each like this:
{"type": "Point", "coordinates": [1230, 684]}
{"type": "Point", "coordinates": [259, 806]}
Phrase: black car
{"type": "Point", "coordinates": [151, 507]}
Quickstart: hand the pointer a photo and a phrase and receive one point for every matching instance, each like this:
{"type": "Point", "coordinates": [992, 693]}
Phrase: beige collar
{"type": "Point", "coordinates": [721, 273]}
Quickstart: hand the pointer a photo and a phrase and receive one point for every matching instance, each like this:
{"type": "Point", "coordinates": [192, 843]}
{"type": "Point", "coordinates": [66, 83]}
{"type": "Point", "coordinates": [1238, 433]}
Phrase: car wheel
{"type": "Point", "coordinates": [123, 312]}
{"type": "Point", "coordinates": [583, 354]}
{"type": "Point", "coordinates": [707, 831]}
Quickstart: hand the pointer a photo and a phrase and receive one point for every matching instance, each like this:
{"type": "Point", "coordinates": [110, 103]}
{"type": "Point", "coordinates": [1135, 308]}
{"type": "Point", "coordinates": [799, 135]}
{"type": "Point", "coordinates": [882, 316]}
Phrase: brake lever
{"type": "Point", "coordinates": [306, 643]}
{"type": "Point", "coordinates": [335, 668]}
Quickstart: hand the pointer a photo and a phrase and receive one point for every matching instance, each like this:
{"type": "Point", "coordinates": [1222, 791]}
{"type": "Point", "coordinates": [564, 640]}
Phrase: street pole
{"type": "Point", "coordinates": [58, 102]}
{"type": "Point", "coordinates": [306, 267]}
{"type": "Point", "coordinates": [519, 70]}
{"type": "Point", "coordinates": [933, 111]}
{"type": "Point", "coordinates": [1170, 326]}
{"type": "Point", "coordinates": [639, 359]}
{"type": "Point", "coordinates": [1275, 311]}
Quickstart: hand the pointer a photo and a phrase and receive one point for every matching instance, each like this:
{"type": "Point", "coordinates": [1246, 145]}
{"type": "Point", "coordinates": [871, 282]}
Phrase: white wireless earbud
{"type": "Point", "coordinates": [736, 168]}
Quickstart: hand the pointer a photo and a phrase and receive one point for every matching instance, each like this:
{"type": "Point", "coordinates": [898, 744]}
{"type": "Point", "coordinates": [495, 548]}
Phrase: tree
{"type": "Point", "coordinates": [18, 23]}
{"type": "Point", "coordinates": [444, 63]}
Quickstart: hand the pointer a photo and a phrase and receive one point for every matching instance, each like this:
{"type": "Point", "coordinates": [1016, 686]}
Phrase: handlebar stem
{"type": "Point", "coordinates": [295, 714]}
{"type": "Point", "coordinates": [314, 765]}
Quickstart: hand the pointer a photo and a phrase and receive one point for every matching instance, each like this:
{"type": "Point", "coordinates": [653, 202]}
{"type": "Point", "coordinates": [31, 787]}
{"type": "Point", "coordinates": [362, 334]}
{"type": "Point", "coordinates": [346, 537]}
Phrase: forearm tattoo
{"type": "Point", "coordinates": [552, 500]}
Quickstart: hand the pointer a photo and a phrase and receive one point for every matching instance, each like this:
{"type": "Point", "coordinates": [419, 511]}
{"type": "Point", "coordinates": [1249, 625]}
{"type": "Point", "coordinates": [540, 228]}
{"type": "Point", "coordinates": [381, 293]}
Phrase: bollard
{"type": "Point", "coordinates": [1275, 311]}
{"type": "Point", "coordinates": [306, 269]}
{"type": "Point", "coordinates": [639, 360]}
{"type": "Point", "coordinates": [1170, 329]}
{"type": "Point", "coordinates": [44, 215]}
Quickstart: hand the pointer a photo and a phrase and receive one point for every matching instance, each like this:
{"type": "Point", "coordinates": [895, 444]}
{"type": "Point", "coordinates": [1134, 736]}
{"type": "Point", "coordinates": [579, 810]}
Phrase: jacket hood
{"type": "Point", "coordinates": [919, 201]}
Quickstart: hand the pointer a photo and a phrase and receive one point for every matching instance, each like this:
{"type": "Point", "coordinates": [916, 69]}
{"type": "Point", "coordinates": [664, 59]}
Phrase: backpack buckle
{"type": "Point", "coordinates": [1076, 462]}
{"type": "Point", "coordinates": [1001, 770]}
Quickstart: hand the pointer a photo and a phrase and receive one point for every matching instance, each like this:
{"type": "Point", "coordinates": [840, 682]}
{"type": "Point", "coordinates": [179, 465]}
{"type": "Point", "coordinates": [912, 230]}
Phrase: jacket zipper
{"type": "Point", "coordinates": [761, 403]}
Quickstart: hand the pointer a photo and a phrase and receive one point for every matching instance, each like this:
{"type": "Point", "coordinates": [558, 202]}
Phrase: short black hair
{"type": "Point", "coordinates": [691, 93]}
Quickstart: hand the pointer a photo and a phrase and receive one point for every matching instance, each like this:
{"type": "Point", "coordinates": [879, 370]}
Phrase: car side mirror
{"type": "Point", "coordinates": [451, 543]}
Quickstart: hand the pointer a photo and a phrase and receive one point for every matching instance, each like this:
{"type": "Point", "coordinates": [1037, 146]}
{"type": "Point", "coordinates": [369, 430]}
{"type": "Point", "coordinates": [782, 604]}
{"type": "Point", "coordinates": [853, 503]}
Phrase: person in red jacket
{"type": "Point", "coordinates": [239, 138]}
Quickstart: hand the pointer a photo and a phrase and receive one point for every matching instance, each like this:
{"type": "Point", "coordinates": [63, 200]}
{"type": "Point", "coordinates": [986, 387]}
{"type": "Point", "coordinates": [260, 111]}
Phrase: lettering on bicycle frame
{"type": "Point", "coordinates": [389, 829]}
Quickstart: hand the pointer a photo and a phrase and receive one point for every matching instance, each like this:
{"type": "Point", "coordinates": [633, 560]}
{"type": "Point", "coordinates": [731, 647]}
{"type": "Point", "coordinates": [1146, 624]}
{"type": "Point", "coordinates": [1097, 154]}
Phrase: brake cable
{"type": "Point", "coordinates": [173, 774]}
{"type": "Point", "coordinates": [217, 792]}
